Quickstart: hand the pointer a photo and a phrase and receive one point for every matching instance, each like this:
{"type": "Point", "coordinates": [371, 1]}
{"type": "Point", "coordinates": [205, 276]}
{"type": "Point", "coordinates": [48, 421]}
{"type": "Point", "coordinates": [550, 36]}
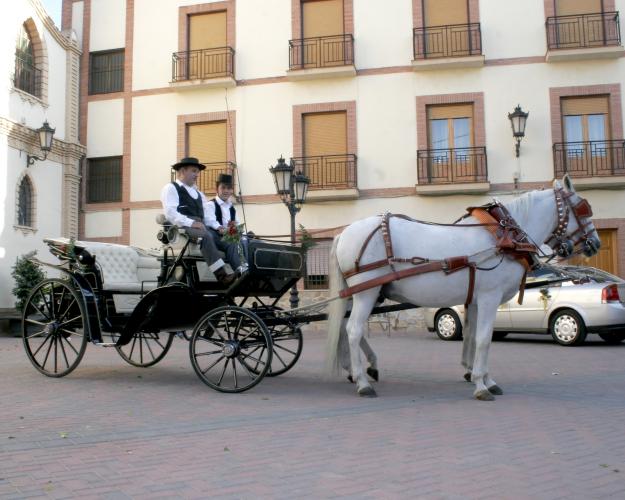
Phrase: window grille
{"type": "Point", "coordinates": [104, 180]}
{"type": "Point", "coordinates": [27, 77]}
{"type": "Point", "coordinates": [25, 203]}
{"type": "Point", "coordinates": [106, 71]}
{"type": "Point", "coordinates": [317, 261]}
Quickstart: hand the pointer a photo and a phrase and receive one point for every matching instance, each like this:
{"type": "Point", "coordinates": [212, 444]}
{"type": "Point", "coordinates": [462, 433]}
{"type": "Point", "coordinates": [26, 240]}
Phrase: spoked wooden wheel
{"type": "Point", "coordinates": [53, 327]}
{"type": "Point", "coordinates": [230, 349]}
{"type": "Point", "coordinates": [146, 349]}
{"type": "Point", "coordinates": [287, 348]}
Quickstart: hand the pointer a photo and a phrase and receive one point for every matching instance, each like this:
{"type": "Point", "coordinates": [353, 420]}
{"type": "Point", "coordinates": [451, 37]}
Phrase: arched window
{"type": "Point", "coordinates": [25, 203]}
{"type": "Point", "coordinates": [27, 75]}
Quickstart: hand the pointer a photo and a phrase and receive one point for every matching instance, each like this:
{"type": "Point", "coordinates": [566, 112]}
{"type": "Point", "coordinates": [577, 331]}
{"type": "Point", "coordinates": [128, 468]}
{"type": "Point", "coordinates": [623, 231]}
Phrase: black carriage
{"type": "Point", "coordinates": [137, 301]}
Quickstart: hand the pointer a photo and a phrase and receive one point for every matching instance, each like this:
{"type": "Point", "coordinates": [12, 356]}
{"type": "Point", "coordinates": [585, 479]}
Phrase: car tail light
{"type": "Point", "coordinates": [610, 294]}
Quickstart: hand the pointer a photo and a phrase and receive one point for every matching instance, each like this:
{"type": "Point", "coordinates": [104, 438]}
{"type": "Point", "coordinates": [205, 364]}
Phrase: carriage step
{"type": "Point", "coordinates": [106, 344]}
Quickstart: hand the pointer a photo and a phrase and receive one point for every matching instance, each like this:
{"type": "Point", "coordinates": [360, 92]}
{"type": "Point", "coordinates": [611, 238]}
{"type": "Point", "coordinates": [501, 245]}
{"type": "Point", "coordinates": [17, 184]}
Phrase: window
{"type": "Point", "coordinates": [27, 76]}
{"type": "Point", "coordinates": [104, 180]}
{"type": "Point", "coordinates": [208, 143]}
{"type": "Point", "coordinates": [106, 71]}
{"type": "Point", "coordinates": [25, 203]}
{"type": "Point", "coordinates": [447, 32]}
{"type": "Point", "coordinates": [586, 126]}
{"type": "Point", "coordinates": [317, 266]}
{"type": "Point", "coordinates": [451, 127]}
{"type": "Point", "coordinates": [582, 23]}
{"type": "Point", "coordinates": [208, 54]}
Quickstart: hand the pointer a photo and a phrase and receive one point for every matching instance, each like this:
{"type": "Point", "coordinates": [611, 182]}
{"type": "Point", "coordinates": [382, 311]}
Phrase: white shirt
{"type": "Point", "coordinates": [225, 213]}
{"type": "Point", "coordinates": [170, 201]}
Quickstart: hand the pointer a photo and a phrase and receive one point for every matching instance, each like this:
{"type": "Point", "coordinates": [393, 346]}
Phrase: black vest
{"type": "Point", "coordinates": [188, 206]}
{"type": "Point", "coordinates": [219, 216]}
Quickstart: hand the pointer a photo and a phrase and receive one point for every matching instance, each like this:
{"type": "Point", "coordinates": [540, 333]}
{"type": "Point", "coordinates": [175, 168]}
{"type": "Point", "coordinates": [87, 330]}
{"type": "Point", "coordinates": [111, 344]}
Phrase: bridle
{"type": "Point", "coordinates": [567, 245]}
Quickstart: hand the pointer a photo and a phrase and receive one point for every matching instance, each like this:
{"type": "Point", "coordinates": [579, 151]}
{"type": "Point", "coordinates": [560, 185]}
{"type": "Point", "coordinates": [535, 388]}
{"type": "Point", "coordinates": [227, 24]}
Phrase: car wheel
{"type": "Point", "coordinates": [499, 335]}
{"type": "Point", "coordinates": [447, 325]}
{"type": "Point", "coordinates": [567, 328]}
{"type": "Point", "coordinates": [613, 337]}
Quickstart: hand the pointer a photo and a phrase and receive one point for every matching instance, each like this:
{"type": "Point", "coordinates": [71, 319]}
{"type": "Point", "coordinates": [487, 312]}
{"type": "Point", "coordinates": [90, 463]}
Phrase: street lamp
{"type": "Point", "coordinates": [292, 189]}
{"type": "Point", "coordinates": [518, 120]}
{"type": "Point", "coordinates": [46, 134]}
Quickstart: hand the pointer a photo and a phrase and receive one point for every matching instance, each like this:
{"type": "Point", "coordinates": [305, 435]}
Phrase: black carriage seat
{"type": "Point", "coordinates": [176, 237]}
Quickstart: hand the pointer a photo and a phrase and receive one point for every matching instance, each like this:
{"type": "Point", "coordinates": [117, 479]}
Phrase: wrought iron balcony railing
{"type": "Point", "coordinates": [202, 64]}
{"type": "Point", "coordinates": [328, 171]}
{"type": "Point", "coordinates": [207, 178]}
{"type": "Point", "coordinates": [455, 40]}
{"type": "Point", "coordinates": [321, 52]}
{"type": "Point", "coordinates": [583, 31]}
{"type": "Point", "coordinates": [27, 77]}
{"type": "Point", "coordinates": [589, 158]}
{"type": "Point", "coordinates": [448, 166]}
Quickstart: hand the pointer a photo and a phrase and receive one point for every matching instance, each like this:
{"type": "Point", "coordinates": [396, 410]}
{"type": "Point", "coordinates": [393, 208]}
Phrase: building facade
{"type": "Point", "coordinates": [395, 106]}
{"type": "Point", "coordinates": [40, 198]}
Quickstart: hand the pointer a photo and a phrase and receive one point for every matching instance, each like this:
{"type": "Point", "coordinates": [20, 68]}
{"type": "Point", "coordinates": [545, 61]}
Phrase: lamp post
{"type": "Point", "coordinates": [292, 189]}
{"type": "Point", "coordinates": [518, 120]}
{"type": "Point", "coordinates": [46, 134]}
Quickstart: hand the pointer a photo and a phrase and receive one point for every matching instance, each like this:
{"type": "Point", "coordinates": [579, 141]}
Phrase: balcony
{"type": "Point", "coordinates": [332, 177]}
{"type": "Point", "coordinates": [207, 178]}
{"type": "Point", "coordinates": [583, 36]}
{"type": "Point", "coordinates": [593, 164]}
{"type": "Point", "coordinates": [321, 57]}
{"type": "Point", "coordinates": [203, 68]}
{"type": "Point", "coordinates": [451, 46]}
{"type": "Point", "coordinates": [27, 77]}
{"type": "Point", "coordinates": [452, 171]}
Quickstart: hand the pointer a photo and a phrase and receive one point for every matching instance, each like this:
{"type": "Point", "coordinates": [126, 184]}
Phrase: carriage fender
{"type": "Point", "coordinates": [90, 302]}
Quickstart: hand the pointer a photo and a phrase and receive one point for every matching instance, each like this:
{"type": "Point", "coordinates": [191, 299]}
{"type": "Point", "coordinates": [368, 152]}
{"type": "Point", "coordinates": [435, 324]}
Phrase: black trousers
{"type": "Point", "coordinates": [212, 246]}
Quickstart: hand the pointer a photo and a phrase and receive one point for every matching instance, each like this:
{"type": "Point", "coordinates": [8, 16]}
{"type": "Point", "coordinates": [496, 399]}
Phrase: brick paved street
{"type": "Point", "coordinates": [113, 431]}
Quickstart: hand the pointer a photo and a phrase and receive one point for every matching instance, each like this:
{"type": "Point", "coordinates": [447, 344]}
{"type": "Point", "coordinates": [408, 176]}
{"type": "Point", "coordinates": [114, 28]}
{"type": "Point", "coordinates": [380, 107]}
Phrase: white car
{"type": "Point", "coordinates": [567, 302]}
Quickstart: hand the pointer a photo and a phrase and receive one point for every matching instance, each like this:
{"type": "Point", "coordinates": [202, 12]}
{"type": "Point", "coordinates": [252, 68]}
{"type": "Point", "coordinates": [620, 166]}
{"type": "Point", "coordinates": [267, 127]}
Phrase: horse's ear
{"type": "Point", "coordinates": [568, 183]}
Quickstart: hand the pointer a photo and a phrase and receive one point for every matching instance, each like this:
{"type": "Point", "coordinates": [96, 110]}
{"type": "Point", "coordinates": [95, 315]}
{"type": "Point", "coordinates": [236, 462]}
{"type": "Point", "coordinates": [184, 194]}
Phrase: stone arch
{"type": "Point", "coordinates": [25, 202]}
{"type": "Point", "coordinates": [40, 58]}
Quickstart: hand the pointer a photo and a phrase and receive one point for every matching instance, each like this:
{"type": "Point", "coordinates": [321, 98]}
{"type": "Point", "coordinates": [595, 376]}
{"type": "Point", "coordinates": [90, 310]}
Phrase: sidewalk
{"type": "Point", "coordinates": [110, 430]}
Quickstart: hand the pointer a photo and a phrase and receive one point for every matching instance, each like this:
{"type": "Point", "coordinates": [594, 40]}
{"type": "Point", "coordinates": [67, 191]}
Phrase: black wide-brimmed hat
{"type": "Point", "coordinates": [188, 162]}
{"type": "Point", "coordinates": [224, 179]}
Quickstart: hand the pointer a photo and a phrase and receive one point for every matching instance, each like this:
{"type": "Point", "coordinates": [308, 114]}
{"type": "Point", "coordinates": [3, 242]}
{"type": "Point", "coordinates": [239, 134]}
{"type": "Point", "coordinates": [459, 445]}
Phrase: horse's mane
{"type": "Point", "coordinates": [520, 207]}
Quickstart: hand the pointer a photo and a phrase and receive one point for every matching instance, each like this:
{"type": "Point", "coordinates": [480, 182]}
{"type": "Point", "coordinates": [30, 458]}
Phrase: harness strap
{"type": "Point", "coordinates": [357, 267]}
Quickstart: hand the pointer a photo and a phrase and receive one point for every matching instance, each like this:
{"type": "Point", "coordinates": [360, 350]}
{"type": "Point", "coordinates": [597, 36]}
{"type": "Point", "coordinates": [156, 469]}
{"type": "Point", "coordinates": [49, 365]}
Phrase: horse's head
{"type": "Point", "coordinates": [574, 232]}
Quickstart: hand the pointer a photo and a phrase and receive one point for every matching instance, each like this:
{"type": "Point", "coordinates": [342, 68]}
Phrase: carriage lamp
{"type": "Point", "coordinates": [518, 120]}
{"type": "Point", "coordinates": [292, 189]}
{"type": "Point", "coordinates": [46, 134]}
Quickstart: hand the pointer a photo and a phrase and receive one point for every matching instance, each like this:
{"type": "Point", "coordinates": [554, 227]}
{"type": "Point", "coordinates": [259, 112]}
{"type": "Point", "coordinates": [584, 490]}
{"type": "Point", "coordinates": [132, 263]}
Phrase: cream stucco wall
{"type": "Point", "coordinates": [105, 130]}
{"type": "Point", "coordinates": [103, 224]}
{"type": "Point", "coordinates": [108, 25]}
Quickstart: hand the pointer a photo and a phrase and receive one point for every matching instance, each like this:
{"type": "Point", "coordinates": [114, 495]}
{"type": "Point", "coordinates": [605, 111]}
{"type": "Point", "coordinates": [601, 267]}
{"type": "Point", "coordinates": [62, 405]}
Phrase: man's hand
{"type": "Point", "coordinates": [198, 225]}
{"type": "Point", "coordinates": [221, 230]}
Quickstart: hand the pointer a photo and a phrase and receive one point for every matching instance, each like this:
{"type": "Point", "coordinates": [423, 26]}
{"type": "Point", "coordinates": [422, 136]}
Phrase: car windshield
{"type": "Point", "coordinates": [596, 275]}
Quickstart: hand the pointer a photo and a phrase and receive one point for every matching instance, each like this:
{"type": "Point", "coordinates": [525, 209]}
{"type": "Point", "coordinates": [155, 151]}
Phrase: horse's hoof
{"type": "Point", "coordinates": [467, 376]}
{"type": "Point", "coordinates": [484, 396]}
{"type": "Point", "coordinates": [495, 389]}
{"type": "Point", "coordinates": [373, 373]}
{"type": "Point", "coordinates": [349, 377]}
{"type": "Point", "coordinates": [367, 392]}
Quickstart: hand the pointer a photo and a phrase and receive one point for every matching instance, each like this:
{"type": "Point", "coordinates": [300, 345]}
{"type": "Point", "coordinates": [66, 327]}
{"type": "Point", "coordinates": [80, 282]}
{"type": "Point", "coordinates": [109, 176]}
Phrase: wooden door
{"type": "Point", "coordinates": [322, 28]}
{"type": "Point", "coordinates": [444, 38]}
{"type": "Point", "coordinates": [325, 147]}
{"type": "Point", "coordinates": [207, 35]}
{"type": "Point", "coordinates": [208, 143]}
{"type": "Point", "coordinates": [606, 258]}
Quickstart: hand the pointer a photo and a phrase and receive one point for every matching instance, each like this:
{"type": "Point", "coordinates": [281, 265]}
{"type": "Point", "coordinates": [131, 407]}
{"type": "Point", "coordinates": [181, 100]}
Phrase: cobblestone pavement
{"type": "Point", "coordinates": [113, 431]}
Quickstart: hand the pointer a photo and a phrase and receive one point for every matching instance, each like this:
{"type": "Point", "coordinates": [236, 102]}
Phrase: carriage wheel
{"type": "Point", "coordinates": [230, 349]}
{"type": "Point", "coordinates": [53, 327]}
{"type": "Point", "coordinates": [287, 348]}
{"type": "Point", "coordinates": [146, 349]}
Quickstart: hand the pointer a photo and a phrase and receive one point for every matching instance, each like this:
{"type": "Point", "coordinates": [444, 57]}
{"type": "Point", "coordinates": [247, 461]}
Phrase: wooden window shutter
{"type": "Point", "coordinates": [445, 12]}
{"type": "Point", "coordinates": [585, 105]}
{"type": "Point", "coordinates": [207, 31]}
{"type": "Point", "coordinates": [322, 18]}
{"type": "Point", "coordinates": [325, 134]}
{"type": "Point", "coordinates": [450, 111]}
{"type": "Point", "coordinates": [207, 141]}
{"type": "Point", "coordinates": [573, 7]}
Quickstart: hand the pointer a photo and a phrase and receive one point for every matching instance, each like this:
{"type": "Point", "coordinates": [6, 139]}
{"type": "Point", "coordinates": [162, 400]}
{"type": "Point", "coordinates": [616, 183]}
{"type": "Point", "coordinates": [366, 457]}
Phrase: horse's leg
{"type": "Point", "coordinates": [468, 339]}
{"type": "Point", "coordinates": [363, 305]}
{"type": "Point", "coordinates": [486, 311]}
{"type": "Point", "coordinates": [343, 351]}
{"type": "Point", "coordinates": [372, 359]}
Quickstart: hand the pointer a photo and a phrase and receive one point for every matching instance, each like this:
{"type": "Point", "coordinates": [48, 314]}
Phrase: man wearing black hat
{"type": "Point", "coordinates": [185, 206]}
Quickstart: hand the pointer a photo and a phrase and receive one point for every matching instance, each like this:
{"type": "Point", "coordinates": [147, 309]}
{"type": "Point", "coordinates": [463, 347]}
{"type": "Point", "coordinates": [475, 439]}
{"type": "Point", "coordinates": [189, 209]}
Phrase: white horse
{"type": "Point", "coordinates": [555, 216]}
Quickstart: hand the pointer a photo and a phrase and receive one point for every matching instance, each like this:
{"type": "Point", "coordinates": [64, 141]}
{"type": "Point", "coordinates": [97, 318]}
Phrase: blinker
{"type": "Point", "coordinates": [583, 209]}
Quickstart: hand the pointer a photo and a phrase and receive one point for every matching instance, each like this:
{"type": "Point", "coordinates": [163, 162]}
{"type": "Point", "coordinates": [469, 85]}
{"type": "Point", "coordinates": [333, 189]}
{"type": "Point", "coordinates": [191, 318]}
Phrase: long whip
{"type": "Point", "coordinates": [234, 155]}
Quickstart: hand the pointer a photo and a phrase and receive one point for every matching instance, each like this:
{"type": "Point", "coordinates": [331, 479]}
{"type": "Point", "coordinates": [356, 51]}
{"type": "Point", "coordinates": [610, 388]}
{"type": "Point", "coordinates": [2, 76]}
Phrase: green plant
{"type": "Point", "coordinates": [306, 240]}
{"type": "Point", "coordinates": [26, 275]}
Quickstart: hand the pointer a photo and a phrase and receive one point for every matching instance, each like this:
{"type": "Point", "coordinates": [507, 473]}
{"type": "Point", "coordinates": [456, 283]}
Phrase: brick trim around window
{"type": "Point", "coordinates": [206, 8]}
{"type": "Point", "coordinates": [296, 18]}
{"type": "Point", "coordinates": [550, 7]}
{"type": "Point", "coordinates": [324, 107]}
{"type": "Point", "coordinates": [418, 17]}
{"type": "Point", "coordinates": [231, 127]}
{"type": "Point", "coordinates": [475, 98]}
{"type": "Point", "coordinates": [612, 90]}
{"type": "Point", "coordinates": [40, 52]}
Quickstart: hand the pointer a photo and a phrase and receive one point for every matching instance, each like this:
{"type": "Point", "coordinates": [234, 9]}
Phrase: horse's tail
{"type": "Point", "coordinates": [336, 311]}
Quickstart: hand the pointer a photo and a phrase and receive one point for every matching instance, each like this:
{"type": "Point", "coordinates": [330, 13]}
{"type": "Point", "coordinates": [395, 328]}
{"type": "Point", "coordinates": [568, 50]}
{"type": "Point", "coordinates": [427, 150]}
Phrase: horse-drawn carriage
{"type": "Point", "coordinates": [137, 301]}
